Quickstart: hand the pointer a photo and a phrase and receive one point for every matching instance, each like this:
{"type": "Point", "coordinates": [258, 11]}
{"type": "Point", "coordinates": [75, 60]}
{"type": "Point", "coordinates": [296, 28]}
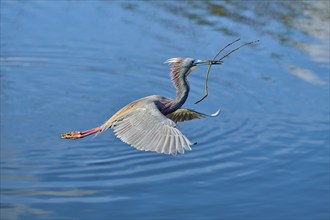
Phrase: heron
{"type": "Point", "coordinates": [150, 123]}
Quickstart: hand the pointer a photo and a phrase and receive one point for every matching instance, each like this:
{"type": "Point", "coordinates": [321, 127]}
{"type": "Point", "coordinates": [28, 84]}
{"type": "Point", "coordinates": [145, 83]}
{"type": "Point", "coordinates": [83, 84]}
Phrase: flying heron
{"type": "Point", "coordinates": [149, 123]}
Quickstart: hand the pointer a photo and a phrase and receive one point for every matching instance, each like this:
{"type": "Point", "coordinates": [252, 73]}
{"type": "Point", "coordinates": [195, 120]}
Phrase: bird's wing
{"type": "Point", "coordinates": [146, 128]}
{"type": "Point", "coordinates": [183, 114]}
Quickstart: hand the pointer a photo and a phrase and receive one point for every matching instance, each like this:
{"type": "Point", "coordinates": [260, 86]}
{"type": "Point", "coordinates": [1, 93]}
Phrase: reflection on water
{"type": "Point", "coordinates": [280, 20]}
{"type": "Point", "coordinates": [18, 211]}
{"type": "Point", "coordinates": [70, 65]}
{"type": "Point", "coordinates": [306, 75]}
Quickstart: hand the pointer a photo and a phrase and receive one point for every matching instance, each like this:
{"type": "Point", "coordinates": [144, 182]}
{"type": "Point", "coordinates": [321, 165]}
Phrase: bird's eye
{"type": "Point", "coordinates": [193, 62]}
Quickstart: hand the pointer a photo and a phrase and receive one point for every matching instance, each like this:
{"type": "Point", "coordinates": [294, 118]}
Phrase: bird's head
{"type": "Point", "coordinates": [181, 67]}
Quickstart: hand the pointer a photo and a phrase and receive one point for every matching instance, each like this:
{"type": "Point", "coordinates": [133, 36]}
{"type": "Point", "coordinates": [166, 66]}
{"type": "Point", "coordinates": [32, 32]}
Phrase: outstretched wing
{"type": "Point", "coordinates": [183, 114]}
{"type": "Point", "coordinates": [146, 128]}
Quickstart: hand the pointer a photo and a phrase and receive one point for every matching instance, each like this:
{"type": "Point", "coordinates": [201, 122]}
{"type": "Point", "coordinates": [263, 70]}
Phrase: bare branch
{"type": "Point", "coordinates": [213, 61]}
{"type": "Point", "coordinates": [252, 42]}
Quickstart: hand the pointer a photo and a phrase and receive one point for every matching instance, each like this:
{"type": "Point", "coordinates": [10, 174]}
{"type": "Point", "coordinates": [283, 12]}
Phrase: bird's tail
{"type": "Point", "coordinates": [80, 134]}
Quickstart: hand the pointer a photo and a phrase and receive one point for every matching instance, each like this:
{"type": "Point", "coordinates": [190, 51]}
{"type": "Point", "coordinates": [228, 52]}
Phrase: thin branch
{"type": "Point", "coordinates": [206, 93]}
{"type": "Point", "coordinates": [252, 42]}
{"type": "Point", "coordinates": [225, 48]}
{"type": "Point", "coordinates": [213, 61]}
{"type": "Point", "coordinates": [206, 85]}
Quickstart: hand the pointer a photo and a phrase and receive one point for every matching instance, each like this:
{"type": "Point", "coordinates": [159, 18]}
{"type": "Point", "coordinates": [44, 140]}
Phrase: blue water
{"type": "Point", "coordinates": [69, 65]}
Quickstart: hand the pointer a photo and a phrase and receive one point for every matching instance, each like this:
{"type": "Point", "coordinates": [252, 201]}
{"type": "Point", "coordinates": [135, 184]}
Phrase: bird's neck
{"type": "Point", "coordinates": [182, 91]}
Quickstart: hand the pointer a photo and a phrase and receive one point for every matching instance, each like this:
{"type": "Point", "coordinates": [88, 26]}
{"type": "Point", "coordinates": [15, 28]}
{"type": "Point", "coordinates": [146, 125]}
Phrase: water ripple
{"type": "Point", "coordinates": [62, 70]}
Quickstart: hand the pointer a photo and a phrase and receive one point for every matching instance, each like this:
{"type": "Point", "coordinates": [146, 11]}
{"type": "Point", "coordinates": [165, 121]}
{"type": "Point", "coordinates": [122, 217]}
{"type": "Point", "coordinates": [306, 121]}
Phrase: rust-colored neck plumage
{"type": "Point", "coordinates": [180, 82]}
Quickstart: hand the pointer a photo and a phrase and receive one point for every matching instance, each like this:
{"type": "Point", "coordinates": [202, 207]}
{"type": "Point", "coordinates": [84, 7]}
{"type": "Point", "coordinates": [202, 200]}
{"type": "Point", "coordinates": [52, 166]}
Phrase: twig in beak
{"type": "Point", "coordinates": [252, 42]}
{"type": "Point", "coordinates": [213, 61]}
{"type": "Point", "coordinates": [209, 68]}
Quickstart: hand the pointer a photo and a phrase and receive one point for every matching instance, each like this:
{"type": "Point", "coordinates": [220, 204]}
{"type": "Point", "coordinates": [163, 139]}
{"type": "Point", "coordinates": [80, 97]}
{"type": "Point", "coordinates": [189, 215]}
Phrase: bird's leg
{"type": "Point", "coordinates": [80, 134]}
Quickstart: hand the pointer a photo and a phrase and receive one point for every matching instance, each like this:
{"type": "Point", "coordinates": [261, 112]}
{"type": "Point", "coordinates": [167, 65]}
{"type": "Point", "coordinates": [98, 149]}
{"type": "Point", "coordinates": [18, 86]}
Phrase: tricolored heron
{"type": "Point", "coordinates": [149, 123]}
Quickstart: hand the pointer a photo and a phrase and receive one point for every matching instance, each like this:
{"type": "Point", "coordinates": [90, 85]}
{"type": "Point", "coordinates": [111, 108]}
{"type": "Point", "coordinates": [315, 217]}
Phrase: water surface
{"type": "Point", "coordinates": [70, 65]}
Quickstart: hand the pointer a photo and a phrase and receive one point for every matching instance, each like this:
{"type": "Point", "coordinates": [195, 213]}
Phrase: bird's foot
{"type": "Point", "coordinates": [71, 135]}
{"type": "Point", "coordinates": [80, 134]}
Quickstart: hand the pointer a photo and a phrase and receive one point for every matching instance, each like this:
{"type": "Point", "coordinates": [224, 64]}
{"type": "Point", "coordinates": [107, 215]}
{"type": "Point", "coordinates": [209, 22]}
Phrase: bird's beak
{"type": "Point", "coordinates": [207, 62]}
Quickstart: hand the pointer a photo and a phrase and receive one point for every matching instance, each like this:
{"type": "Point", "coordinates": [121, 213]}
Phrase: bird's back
{"type": "Point", "coordinates": [140, 103]}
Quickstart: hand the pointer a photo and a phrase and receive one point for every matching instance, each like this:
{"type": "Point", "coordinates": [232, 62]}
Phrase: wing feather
{"type": "Point", "coordinates": [167, 141]}
{"type": "Point", "coordinates": [146, 128]}
{"type": "Point", "coordinates": [172, 142]}
{"type": "Point", "coordinates": [184, 114]}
